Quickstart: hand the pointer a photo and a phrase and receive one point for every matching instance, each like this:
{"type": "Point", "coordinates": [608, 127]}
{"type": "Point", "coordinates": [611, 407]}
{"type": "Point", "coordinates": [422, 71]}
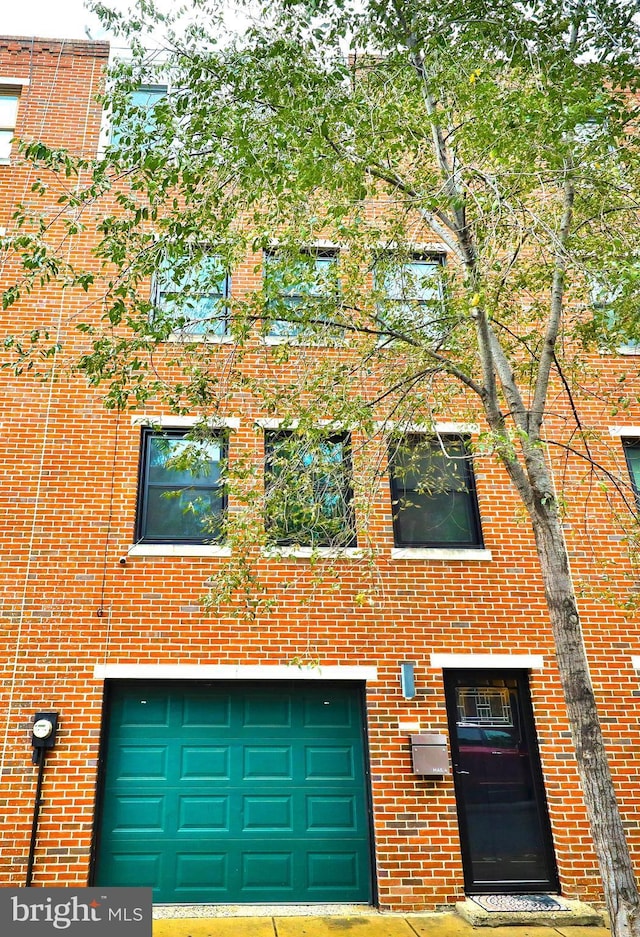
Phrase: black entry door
{"type": "Point", "coordinates": [502, 812]}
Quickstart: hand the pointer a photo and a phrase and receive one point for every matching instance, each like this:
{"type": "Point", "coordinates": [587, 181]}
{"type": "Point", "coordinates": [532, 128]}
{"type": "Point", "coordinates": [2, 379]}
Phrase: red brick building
{"type": "Point", "coordinates": [224, 759]}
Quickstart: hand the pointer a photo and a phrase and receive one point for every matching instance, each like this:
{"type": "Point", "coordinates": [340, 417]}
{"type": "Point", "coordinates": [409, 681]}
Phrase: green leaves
{"type": "Point", "coordinates": [402, 130]}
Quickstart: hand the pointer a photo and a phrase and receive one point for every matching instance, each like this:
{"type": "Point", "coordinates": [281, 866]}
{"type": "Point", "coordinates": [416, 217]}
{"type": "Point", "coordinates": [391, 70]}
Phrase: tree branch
{"type": "Point", "coordinates": [547, 356]}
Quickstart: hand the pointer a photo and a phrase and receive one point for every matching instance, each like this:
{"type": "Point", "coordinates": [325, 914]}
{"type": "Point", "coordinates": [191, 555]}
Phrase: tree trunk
{"type": "Point", "coordinates": [618, 879]}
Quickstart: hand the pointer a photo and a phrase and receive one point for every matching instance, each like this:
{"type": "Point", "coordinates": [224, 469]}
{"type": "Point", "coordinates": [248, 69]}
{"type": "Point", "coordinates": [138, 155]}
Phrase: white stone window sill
{"type": "Point", "coordinates": [632, 349]}
{"type": "Point", "coordinates": [279, 339]}
{"type": "Point", "coordinates": [433, 553]}
{"type": "Point", "coordinates": [185, 422]}
{"type": "Point", "coordinates": [179, 338]}
{"type": "Point", "coordinates": [306, 553]}
{"type": "Point", "coordinates": [294, 340]}
{"type": "Point", "coordinates": [297, 342]}
{"type": "Point", "coordinates": [178, 549]}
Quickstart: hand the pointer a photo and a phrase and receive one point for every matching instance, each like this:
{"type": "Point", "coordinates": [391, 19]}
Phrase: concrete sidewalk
{"type": "Point", "coordinates": [361, 925]}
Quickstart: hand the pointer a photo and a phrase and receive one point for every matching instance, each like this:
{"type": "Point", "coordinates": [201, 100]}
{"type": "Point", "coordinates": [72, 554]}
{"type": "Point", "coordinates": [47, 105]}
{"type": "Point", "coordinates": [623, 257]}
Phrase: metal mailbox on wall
{"type": "Point", "coordinates": [429, 754]}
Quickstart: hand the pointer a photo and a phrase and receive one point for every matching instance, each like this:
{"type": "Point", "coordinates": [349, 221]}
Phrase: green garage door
{"type": "Point", "coordinates": [236, 792]}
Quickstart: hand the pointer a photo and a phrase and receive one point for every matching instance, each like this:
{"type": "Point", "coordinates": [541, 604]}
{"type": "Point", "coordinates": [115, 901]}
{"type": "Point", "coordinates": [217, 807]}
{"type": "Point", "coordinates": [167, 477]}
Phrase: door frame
{"type": "Point", "coordinates": [521, 677]}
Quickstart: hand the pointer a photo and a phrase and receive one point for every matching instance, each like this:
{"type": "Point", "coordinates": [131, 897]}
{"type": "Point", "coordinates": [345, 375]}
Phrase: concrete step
{"type": "Point", "coordinates": [573, 914]}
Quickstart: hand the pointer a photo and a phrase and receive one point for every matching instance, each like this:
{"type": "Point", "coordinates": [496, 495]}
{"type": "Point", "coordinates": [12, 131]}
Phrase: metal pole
{"type": "Point", "coordinates": [41, 753]}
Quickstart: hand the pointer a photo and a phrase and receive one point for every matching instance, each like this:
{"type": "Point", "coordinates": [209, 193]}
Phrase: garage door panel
{"type": "Point", "coordinates": [150, 711]}
{"type": "Point", "coordinates": [329, 713]}
{"type": "Point", "coordinates": [338, 871]}
{"type": "Point", "coordinates": [261, 813]}
{"type": "Point", "coordinates": [202, 814]}
{"type": "Point", "coordinates": [201, 870]}
{"type": "Point", "coordinates": [267, 870]}
{"type": "Point", "coordinates": [254, 794]}
{"type": "Point", "coordinates": [204, 762]}
{"type": "Point", "coordinates": [264, 711]}
{"type": "Point", "coordinates": [206, 713]}
{"type": "Point", "coordinates": [329, 762]}
{"type": "Point", "coordinates": [138, 762]}
{"type": "Point", "coordinates": [140, 814]}
{"type": "Point", "coordinates": [335, 813]}
{"type": "Point", "coordinates": [143, 868]}
{"type": "Point", "coordinates": [267, 762]}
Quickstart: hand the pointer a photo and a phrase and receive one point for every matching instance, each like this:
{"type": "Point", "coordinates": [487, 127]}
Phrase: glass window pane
{"type": "Point", "coordinates": [204, 275]}
{"type": "Point", "coordinates": [444, 518]}
{"type": "Point", "coordinates": [205, 457]}
{"type": "Point", "coordinates": [296, 282]}
{"type": "Point", "coordinates": [145, 98]}
{"type": "Point", "coordinates": [192, 293]}
{"type": "Point", "coordinates": [181, 498]}
{"type": "Point", "coordinates": [309, 491]}
{"type": "Point", "coordinates": [148, 95]}
{"type": "Point", "coordinates": [8, 111]}
{"type": "Point", "coordinates": [197, 315]}
{"type": "Point", "coordinates": [184, 514]}
{"type": "Point", "coordinates": [412, 281]}
{"type": "Point", "coordinates": [632, 452]}
{"type": "Point", "coordinates": [410, 295]}
{"type": "Point", "coordinates": [420, 465]}
{"type": "Point", "coordinates": [432, 492]}
{"type": "Point", "coordinates": [6, 136]}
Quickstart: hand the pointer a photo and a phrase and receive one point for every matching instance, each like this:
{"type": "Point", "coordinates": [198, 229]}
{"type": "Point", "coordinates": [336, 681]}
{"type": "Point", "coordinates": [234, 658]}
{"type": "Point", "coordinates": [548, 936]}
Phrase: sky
{"type": "Point", "coordinates": [68, 19]}
{"type": "Point", "coordinates": [51, 19]}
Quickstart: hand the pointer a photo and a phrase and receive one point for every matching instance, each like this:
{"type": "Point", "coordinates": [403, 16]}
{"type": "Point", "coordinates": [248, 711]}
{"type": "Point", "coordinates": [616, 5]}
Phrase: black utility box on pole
{"type": "Point", "coordinates": [43, 737]}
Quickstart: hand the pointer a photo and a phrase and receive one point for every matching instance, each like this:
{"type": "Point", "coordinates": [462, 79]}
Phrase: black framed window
{"type": "Point", "coordinates": [308, 489]}
{"type": "Point", "coordinates": [192, 294]}
{"type": "Point", "coordinates": [181, 497]}
{"type": "Point", "coordinates": [433, 493]}
{"type": "Point", "coordinates": [632, 454]}
{"type": "Point", "coordinates": [293, 284]}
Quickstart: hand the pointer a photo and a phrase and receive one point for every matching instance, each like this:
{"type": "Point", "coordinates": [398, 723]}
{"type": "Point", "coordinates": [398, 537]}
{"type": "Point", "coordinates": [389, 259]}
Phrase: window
{"type": "Point", "coordinates": [139, 113]}
{"type": "Point", "coordinates": [192, 296]}
{"type": "Point", "coordinates": [410, 293]}
{"type": "Point", "coordinates": [632, 453]}
{"type": "Point", "coordinates": [8, 114]}
{"type": "Point", "coordinates": [292, 285]}
{"type": "Point", "coordinates": [433, 493]}
{"type": "Point", "coordinates": [181, 498]}
{"type": "Point", "coordinates": [616, 302]}
{"type": "Point", "coordinates": [309, 497]}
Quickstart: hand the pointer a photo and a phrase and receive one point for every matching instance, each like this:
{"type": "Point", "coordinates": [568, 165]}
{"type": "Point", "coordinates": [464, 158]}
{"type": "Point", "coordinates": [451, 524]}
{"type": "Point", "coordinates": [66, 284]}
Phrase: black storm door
{"type": "Point", "coordinates": [502, 812]}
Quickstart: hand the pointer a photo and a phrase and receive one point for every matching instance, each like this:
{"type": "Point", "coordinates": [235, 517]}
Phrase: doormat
{"type": "Point", "coordinates": [518, 903]}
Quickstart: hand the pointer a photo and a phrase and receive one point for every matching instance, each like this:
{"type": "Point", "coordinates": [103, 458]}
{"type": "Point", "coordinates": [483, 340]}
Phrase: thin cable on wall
{"type": "Point", "coordinates": [105, 555]}
{"type": "Point", "coordinates": [44, 445]}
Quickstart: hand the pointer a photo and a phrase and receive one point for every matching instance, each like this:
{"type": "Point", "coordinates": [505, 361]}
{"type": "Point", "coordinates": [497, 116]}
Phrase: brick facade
{"type": "Point", "coordinates": [67, 603]}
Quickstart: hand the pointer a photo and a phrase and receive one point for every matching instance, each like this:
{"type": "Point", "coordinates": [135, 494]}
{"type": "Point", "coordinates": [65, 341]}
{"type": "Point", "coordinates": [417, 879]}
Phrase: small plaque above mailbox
{"type": "Point", "coordinates": [429, 754]}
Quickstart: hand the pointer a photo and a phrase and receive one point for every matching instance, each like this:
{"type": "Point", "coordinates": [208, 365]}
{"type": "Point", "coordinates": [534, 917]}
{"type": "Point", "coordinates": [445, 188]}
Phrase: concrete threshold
{"type": "Point", "coordinates": [168, 911]}
{"type": "Point", "coordinates": [573, 914]}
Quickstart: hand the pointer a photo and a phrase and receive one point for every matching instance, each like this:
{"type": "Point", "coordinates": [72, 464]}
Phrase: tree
{"type": "Point", "coordinates": [505, 132]}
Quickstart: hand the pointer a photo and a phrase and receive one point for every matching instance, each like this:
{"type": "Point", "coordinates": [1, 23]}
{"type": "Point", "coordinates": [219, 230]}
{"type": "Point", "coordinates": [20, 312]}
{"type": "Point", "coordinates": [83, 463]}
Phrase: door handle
{"type": "Point", "coordinates": [462, 772]}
